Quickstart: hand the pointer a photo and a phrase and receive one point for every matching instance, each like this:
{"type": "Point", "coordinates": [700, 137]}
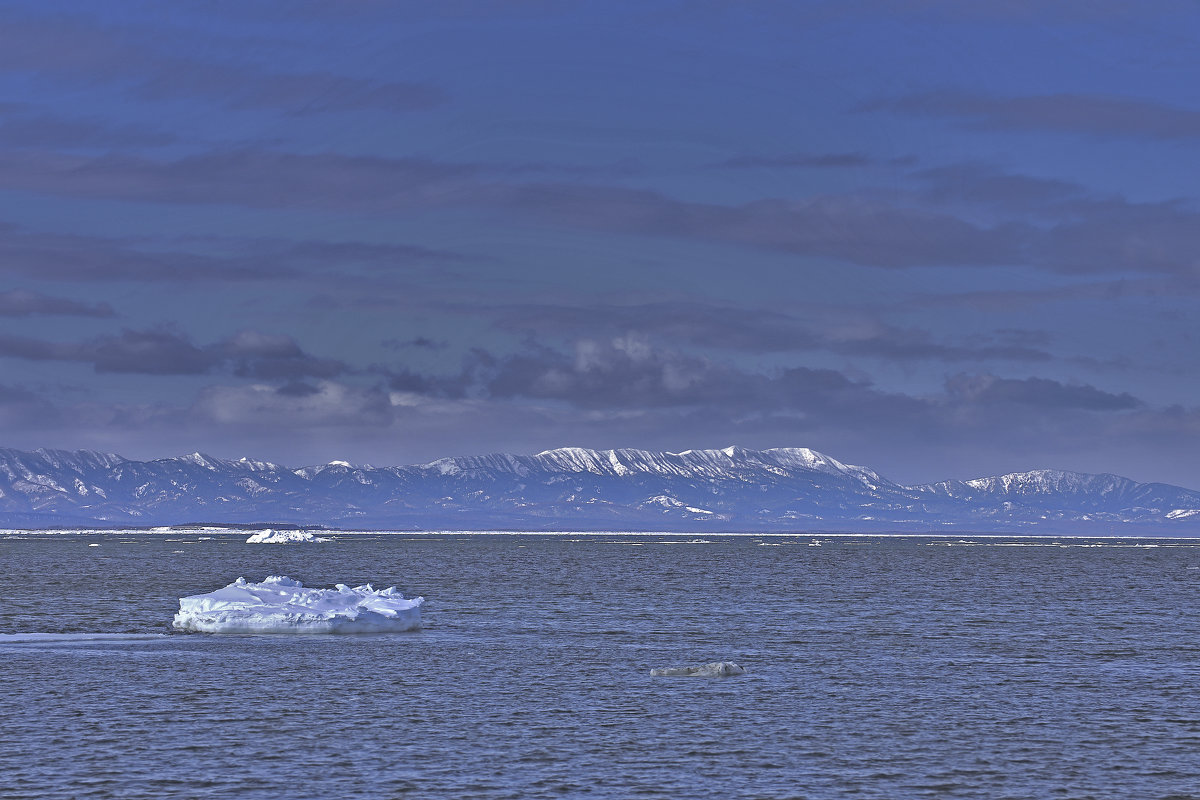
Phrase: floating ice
{"type": "Point", "coordinates": [284, 537]}
{"type": "Point", "coordinates": [282, 605]}
{"type": "Point", "coordinates": [716, 669]}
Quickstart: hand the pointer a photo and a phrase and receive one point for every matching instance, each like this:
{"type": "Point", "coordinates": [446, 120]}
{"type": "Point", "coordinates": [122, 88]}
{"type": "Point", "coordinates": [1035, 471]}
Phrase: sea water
{"type": "Point", "coordinates": [875, 668]}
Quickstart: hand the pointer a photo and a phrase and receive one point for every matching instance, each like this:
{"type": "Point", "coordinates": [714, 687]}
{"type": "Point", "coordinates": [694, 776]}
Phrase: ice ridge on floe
{"type": "Point", "coordinates": [284, 537]}
{"type": "Point", "coordinates": [282, 605]}
{"type": "Point", "coordinates": [714, 669]}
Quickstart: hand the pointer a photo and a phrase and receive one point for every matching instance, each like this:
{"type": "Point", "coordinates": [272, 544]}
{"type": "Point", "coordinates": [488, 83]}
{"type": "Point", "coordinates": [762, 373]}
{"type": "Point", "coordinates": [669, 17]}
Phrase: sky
{"type": "Point", "coordinates": [941, 239]}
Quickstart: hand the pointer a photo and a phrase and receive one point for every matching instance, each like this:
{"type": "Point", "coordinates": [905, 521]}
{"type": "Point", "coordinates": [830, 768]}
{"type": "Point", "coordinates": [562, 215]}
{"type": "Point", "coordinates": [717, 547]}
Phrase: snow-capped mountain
{"type": "Point", "coordinates": [780, 489]}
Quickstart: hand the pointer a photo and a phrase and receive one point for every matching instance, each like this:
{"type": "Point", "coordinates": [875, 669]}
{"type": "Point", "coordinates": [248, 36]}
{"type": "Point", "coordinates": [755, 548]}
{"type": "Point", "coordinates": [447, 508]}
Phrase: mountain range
{"type": "Point", "coordinates": [732, 489]}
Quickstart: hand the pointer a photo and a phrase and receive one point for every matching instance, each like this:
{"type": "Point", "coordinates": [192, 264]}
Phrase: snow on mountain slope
{"type": "Point", "coordinates": [1051, 481]}
{"type": "Point", "coordinates": [730, 488]}
{"type": "Point", "coordinates": [719, 464]}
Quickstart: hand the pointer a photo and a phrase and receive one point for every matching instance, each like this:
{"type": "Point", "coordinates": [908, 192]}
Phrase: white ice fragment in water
{"type": "Point", "coordinates": [715, 669]}
{"type": "Point", "coordinates": [284, 537]}
{"type": "Point", "coordinates": [282, 605]}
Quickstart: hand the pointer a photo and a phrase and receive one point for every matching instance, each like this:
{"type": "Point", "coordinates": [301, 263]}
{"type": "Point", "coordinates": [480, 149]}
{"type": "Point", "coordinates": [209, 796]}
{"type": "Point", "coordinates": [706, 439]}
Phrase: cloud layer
{"type": "Point", "coordinates": [389, 232]}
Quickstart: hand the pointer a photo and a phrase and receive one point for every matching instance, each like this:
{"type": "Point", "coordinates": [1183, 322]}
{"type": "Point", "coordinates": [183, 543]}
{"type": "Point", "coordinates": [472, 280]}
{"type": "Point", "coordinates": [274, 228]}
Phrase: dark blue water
{"type": "Point", "coordinates": [878, 668]}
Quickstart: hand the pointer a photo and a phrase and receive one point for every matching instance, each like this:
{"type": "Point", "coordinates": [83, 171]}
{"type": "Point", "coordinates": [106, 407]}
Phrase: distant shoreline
{"type": "Point", "coordinates": [239, 530]}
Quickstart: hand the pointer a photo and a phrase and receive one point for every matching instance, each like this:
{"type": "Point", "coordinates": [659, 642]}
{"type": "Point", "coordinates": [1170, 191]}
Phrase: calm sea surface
{"type": "Point", "coordinates": [878, 668]}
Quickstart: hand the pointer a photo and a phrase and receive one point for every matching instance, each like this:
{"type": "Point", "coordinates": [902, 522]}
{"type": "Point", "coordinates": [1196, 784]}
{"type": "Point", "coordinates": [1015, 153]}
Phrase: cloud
{"type": "Point", "coordinates": [761, 331]}
{"type": "Point", "coordinates": [248, 177]}
{"type": "Point", "coordinates": [254, 354]}
{"type": "Point", "coordinates": [419, 342]}
{"type": "Point", "coordinates": [150, 352]}
{"type": "Point", "coordinates": [1029, 11]}
{"type": "Point", "coordinates": [256, 344]}
{"type": "Point", "coordinates": [625, 372]}
{"type": "Point", "coordinates": [629, 392]}
{"type": "Point", "coordinates": [49, 131]}
{"type": "Point", "coordinates": [1064, 227]}
{"type": "Point", "coordinates": [377, 256]}
{"type": "Point", "coordinates": [632, 373]}
{"type": "Point", "coordinates": [910, 344]}
{"type": "Point", "coordinates": [20, 408]}
{"type": "Point", "coordinates": [22, 303]}
{"type": "Point", "coordinates": [38, 350]}
{"type": "Point", "coordinates": [983, 185]}
{"type": "Point", "coordinates": [629, 374]}
{"type": "Point", "coordinates": [163, 351]}
{"type": "Point", "coordinates": [1044, 393]}
{"type": "Point", "coordinates": [801, 160]}
{"type": "Point", "coordinates": [1095, 115]}
{"type": "Point", "coordinates": [857, 229]}
{"type": "Point", "coordinates": [71, 50]}
{"type": "Point", "coordinates": [1042, 223]}
{"type": "Point", "coordinates": [324, 404]}
{"type": "Point", "coordinates": [75, 257]}
{"type": "Point", "coordinates": [243, 87]}
{"type": "Point", "coordinates": [700, 324]}
{"type": "Point", "coordinates": [1126, 237]}
{"type": "Point", "coordinates": [854, 228]}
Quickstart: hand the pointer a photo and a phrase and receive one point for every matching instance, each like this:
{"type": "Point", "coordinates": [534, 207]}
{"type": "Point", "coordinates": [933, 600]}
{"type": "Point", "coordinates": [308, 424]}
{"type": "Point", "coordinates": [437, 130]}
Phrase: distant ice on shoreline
{"type": "Point", "coordinates": [284, 537]}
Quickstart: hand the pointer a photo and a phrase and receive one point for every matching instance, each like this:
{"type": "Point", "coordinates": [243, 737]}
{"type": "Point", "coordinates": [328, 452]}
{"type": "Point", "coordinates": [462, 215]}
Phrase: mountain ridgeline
{"type": "Point", "coordinates": [782, 489]}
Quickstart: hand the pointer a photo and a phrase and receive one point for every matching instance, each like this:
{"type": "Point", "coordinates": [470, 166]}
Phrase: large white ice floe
{"type": "Point", "coordinates": [715, 669]}
{"type": "Point", "coordinates": [282, 605]}
{"type": "Point", "coordinates": [284, 537]}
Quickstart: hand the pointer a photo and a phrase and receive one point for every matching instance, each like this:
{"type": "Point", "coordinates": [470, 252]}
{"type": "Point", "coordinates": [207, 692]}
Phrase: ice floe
{"type": "Point", "coordinates": [715, 669]}
{"type": "Point", "coordinates": [282, 605]}
{"type": "Point", "coordinates": [284, 537]}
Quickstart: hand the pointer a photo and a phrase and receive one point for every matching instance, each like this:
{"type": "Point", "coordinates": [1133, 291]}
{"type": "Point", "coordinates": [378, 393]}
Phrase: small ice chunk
{"type": "Point", "coordinates": [284, 537]}
{"type": "Point", "coordinates": [282, 605]}
{"type": "Point", "coordinates": [715, 669]}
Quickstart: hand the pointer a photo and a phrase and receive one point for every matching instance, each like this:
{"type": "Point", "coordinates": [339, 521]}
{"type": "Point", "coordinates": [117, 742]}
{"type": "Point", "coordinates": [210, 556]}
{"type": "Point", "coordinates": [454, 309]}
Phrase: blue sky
{"type": "Point", "coordinates": [941, 239]}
